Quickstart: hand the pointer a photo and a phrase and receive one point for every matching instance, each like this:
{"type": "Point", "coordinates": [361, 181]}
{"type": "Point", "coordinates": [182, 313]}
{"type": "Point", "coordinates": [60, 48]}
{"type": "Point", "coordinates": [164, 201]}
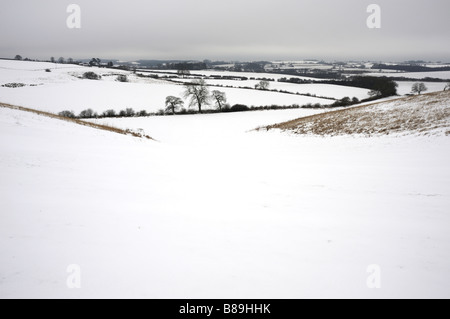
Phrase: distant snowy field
{"type": "Point", "coordinates": [322, 90]}
{"type": "Point", "coordinates": [61, 89]}
{"type": "Point", "coordinates": [242, 74]}
{"type": "Point", "coordinates": [404, 87]}
{"type": "Point", "coordinates": [444, 75]}
{"type": "Point", "coordinates": [214, 211]}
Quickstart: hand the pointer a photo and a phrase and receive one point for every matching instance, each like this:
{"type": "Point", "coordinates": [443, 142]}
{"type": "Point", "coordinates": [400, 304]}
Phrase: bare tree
{"type": "Point", "coordinates": [18, 57]}
{"type": "Point", "coordinates": [61, 60]}
{"type": "Point", "coordinates": [95, 62]}
{"type": "Point", "coordinates": [419, 88]}
{"type": "Point", "coordinates": [109, 113]}
{"type": "Point", "coordinates": [183, 72]}
{"type": "Point", "coordinates": [130, 112]}
{"type": "Point", "coordinates": [263, 85]}
{"type": "Point", "coordinates": [220, 98]}
{"type": "Point", "coordinates": [173, 103]}
{"type": "Point", "coordinates": [198, 92]}
{"type": "Point", "coordinates": [87, 114]}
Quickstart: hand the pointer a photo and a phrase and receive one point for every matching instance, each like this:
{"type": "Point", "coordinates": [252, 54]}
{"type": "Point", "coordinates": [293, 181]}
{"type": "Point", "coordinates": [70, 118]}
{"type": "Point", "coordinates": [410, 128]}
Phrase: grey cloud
{"type": "Point", "coordinates": [245, 29]}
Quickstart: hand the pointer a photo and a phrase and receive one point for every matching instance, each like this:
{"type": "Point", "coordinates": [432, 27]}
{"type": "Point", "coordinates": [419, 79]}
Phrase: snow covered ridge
{"type": "Point", "coordinates": [425, 115]}
{"type": "Point", "coordinates": [138, 134]}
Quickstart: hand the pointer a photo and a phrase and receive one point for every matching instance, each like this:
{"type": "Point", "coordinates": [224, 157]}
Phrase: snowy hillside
{"type": "Point", "coordinates": [420, 115]}
{"type": "Point", "coordinates": [215, 211]}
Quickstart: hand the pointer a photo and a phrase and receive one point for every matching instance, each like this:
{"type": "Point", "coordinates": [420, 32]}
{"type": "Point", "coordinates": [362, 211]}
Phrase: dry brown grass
{"type": "Point", "coordinates": [416, 114]}
{"type": "Point", "coordinates": [77, 121]}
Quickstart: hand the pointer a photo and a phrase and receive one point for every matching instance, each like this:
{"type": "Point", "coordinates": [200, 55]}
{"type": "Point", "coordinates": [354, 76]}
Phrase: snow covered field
{"type": "Point", "coordinates": [61, 89]}
{"type": "Point", "coordinates": [323, 90]}
{"type": "Point", "coordinates": [211, 211]}
{"type": "Point", "coordinates": [249, 75]}
{"type": "Point", "coordinates": [404, 87]}
{"type": "Point", "coordinates": [444, 75]}
{"type": "Point", "coordinates": [205, 129]}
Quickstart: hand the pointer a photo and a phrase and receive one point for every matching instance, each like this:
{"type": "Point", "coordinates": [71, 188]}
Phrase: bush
{"type": "Point", "coordinates": [122, 78]}
{"type": "Point", "coordinates": [13, 85]}
{"type": "Point", "coordinates": [130, 112]}
{"type": "Point", "coordinates": [88, 114]}
{"type": "Point", "coordinates": [48, 70]}
{"type": "Point", "coordinates": [91, 76]}
{"type": "Point", "coordinates": [68, 114]}
{"type": "Point", "coordinates": [143, 113]}
{"type": "Point", "coordinates": [346, 101]}
{"type": "Point", "coordinates": [127, 113]}
{"type": "Point", "coordinates": [239, 108]}
{"type": "Point", "coordinates": [109, 113]}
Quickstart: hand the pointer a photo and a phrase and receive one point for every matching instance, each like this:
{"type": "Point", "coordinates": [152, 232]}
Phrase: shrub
{"type": "Point", "coordinates": [346, 101]}
{"type": "Point", "coordinates": [91, 76]}
{"type": "Point", "coordinates": [68, 114]}
{"type": "Point", "coordinates": [127, 113]}
{"type": "Point", "coordinates": [48, 70]}
{"type": "Point", "coordinates": [239, 108]}
{"type": "Point", "coordinates": [143, 113]}
{"type": "Point", "coordinates": [130, 112]}
{"type": "Point", "coordinates": [14, 85]}
{"type": "Point", "coordinates": [122, 78]}
{"type": "Point", "coordinates": [109, 113]}
{"type": "Point", "coordinates": [88, 114]}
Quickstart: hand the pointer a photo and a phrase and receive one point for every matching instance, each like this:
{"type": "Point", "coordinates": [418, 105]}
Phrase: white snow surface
{"type": "Point", "coordinates": [62, 89]}
{"type": "Point", "coordinates": [214, 211]}
{"type": "Point", "coordinates": [404, 87]}
{"type": "Point", "coordinates": [444, 75]}
{"type": "Point", "coordinates": [320, 90]}
{"type": "Point", "coordinates": [249, 75]}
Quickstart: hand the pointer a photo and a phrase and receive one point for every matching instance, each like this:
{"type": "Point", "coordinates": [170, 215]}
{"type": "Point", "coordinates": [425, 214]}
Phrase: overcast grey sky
{"type": "Point", "coordinates": [227, 29]}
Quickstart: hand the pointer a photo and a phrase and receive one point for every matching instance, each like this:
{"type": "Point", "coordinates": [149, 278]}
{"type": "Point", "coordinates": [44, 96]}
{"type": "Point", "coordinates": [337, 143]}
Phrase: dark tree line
{"type": "Point", "coordinates": [409, 68]}
{"type": "Point", "coordinates": [91, 114]}
{"type": "Point", "coordinates": [380, 86]}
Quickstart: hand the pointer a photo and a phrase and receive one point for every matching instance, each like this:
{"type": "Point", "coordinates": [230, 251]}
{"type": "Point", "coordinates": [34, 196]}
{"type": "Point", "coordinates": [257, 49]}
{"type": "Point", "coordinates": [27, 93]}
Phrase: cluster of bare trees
{"type": "Point", "coordinates": [199, 95]}
{"type": "Point", "coordinates": [61, 60]}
